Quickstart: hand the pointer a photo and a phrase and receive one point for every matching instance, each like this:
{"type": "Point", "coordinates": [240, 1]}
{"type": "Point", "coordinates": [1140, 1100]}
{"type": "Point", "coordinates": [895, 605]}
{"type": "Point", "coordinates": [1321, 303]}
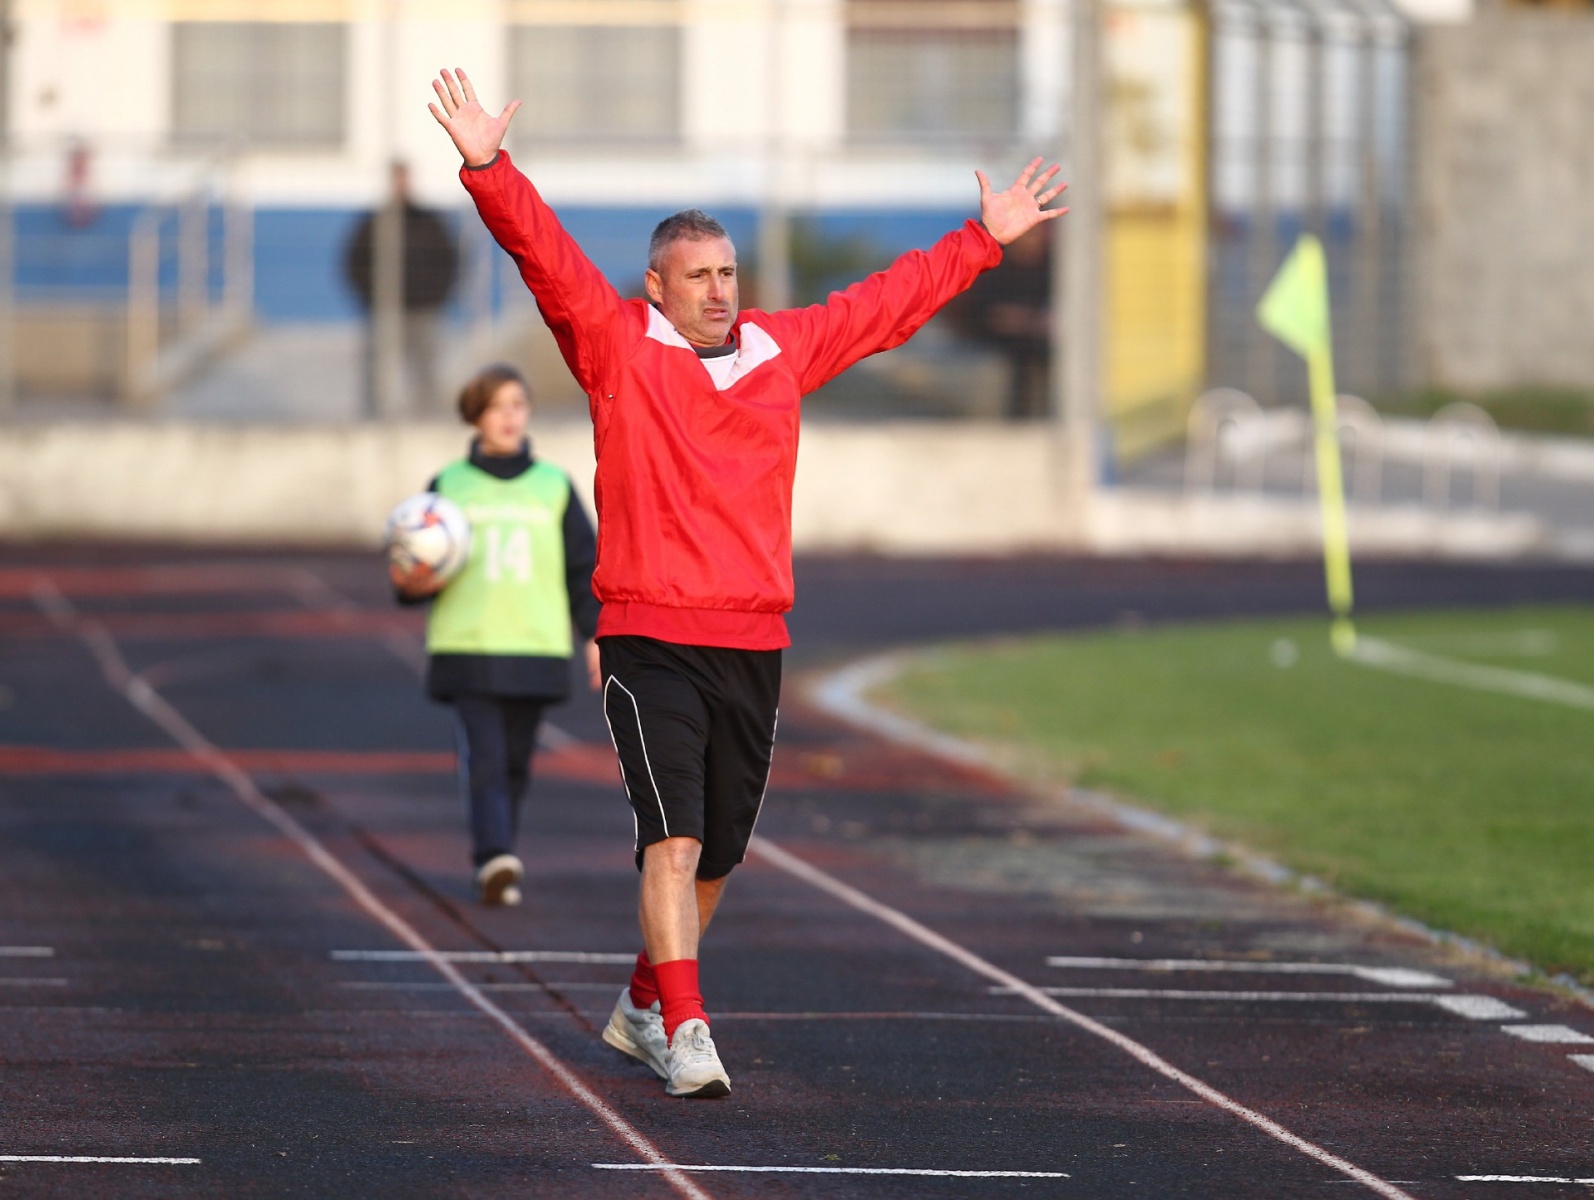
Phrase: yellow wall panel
{"type": "Point", "coordinates": [1155, 355]}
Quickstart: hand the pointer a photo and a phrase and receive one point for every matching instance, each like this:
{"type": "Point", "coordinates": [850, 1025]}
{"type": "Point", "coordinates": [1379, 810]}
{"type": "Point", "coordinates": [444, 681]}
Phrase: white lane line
{"type": "Point", "coordinates": [1586, 1061]}
{"type": "Point", "coordinates": [485, 956]}
{"type": "Point", "coordinates": [430, 986]}
{"type": "Point", "coordinates": [1530, 685]}
{"type": "Point", "coordinates": [1479, 1008]}
{"type": "Point", "coordinates": [1563, 1035]}
{"type": "Point", "coordinates": [91, 1158]}
{"type": "Point", "coordinates": [880, 1016]}
{"type": "Point", "coordinates": [1392, 976]}
{"type": "Point", "coordinates": [27, 951]}
{"type": "Point", "coordinates": [311, 590]}
{"type": "Point", "coordinates": [1521, 1179]}
{"type": "Point", "coordinates": [24, 981]}
{"type": "Point", "coordinates": [148, 701]}
{"type": "Point", "coordinates": [847, 1171]}
{"type": "Point", "coordinates": [1474, 1008]}
{"type": "Point", "coordinates": [1240, 997]}
{"type": "Point", "coordinates": [925, 936]}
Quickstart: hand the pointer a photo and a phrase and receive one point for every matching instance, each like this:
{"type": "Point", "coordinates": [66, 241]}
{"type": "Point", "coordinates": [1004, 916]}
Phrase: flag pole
{"type": "Point", "coordinates": [1295, 310]}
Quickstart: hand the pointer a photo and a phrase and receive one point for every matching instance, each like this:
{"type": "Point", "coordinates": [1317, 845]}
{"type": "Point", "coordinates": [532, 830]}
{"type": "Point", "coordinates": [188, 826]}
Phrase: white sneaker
{"type": "Point", "coordinates": [638, 1032]}
{"type": "Point", "coordinates": [694, 1065]}
{"type": "Point", "coordinates": [498, 878]}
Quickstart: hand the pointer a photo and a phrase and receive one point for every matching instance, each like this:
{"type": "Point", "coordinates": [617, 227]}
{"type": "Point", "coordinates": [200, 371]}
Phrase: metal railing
{"type": "Point", "coordinates": [154, 274]}
{"type": "Point", "coordinates": [1232, 439]}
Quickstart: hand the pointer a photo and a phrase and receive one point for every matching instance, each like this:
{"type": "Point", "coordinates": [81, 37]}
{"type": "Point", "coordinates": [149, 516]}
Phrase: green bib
{"type": "Point", "coordinates": [510, 597]}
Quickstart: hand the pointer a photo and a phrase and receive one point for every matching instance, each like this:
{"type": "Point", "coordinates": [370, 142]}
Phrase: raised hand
{"type": "Point", "coordinates": [476, 132]}
{"type": "Point", "coordinates": [1011, 214]}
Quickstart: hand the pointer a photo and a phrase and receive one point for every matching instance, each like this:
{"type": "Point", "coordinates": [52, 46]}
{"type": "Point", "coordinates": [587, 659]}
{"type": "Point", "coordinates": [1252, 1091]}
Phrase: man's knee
{"type": "Point", "coordinates": [674, 856]}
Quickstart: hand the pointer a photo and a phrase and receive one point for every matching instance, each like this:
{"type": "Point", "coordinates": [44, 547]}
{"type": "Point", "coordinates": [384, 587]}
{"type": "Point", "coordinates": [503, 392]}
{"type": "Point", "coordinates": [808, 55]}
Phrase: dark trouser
{"type": "Point", "coordinates": [496, 737]}
{"type": "Point", "coordinates": [1029, 392]}
{"type": "Point", "coordinates": [694, 728]}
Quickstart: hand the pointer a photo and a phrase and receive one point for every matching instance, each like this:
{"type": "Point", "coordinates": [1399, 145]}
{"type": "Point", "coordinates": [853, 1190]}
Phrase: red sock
{"type": "Point", "coordinates": [644, 987]}
{"type": "Point", "coordinates": [679, 996]}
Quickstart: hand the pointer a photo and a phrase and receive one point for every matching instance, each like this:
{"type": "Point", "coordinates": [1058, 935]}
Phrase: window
{"type": "Point", "coordinates": [596, 83]}
{"type": "Point", "coordinates": [922, 72]}
{"type": "Point", "coordinates": [269, 83]}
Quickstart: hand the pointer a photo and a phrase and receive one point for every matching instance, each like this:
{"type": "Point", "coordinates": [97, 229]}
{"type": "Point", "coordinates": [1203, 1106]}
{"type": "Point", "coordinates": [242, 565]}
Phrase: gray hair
{"type": "Point", "coordinates": [691, 224]}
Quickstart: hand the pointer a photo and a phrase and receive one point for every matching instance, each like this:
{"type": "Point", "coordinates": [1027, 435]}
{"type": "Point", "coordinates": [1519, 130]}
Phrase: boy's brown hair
{"type": "Point", "coordinates": [483, 386]}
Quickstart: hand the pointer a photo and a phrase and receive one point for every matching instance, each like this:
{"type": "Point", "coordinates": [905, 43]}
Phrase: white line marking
{"type": "Point", "coordinates": [33, 982]}
{"type": "Point", "coordinates": [1479, 1008]}
{"type": "Point", "coordinates": [148, 701]}
{"type": "Point", "coordinates": [847, 1171]}
{"type": "Point", "coordinates": [1530, 685]}
{"type": "Point", "coordinates": [1586, 1061]}
{"type": "Point", "coordinates": [925, 936]}
{"type": "Point", "coordinates": [430, 986]}
{"type": "Point", "coordinates": [1393, 976]}
{"type": "Point", "coordinates": [1529, 643]}
{"type": "Point", "coordinates": [1521, 1179]}
{"type": "Point", "coordinates": [1474, 1008]}
{"type": "Point", "coordinates": [1563, 1035]}
{"type": "Point", "coordinates": [27, 951]}
{"type": "Point", "coordinates": [89, 1158]}
{"type": "Point", "coordinates": [880, 1016]}
{"type": "Point", "coordinates": [484, 956]}
{"type": "Point", "coordinates": [1243, 997]}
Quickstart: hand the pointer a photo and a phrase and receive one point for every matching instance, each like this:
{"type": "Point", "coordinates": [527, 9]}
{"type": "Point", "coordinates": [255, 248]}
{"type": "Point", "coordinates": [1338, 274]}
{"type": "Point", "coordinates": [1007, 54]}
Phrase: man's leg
{"type": "Point", "coordinates": [660, 725]}
{"type": "Point", "coordinates": [644, 984]}
{"type": "Point", "coordinates": [370, 402]}
{"type": "Point", "coordinates": [425, 398]}
{"type": "Point", "coordinates": [674, 909]}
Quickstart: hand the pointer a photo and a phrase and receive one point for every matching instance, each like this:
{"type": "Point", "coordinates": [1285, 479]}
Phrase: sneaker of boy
{"type": "Point", "coordinates": [498, 879]}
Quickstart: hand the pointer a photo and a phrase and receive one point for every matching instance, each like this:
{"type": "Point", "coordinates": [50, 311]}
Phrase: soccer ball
{"type": "Point", "coordinates": [428, 530]}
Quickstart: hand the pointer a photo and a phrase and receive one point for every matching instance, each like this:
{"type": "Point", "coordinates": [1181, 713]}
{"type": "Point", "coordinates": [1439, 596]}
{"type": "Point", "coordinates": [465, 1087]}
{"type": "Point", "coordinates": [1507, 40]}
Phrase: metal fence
{"type": "Point", "coordinates": [117, 300]}
{"type": "Point", "coordinates": [1309, 116]}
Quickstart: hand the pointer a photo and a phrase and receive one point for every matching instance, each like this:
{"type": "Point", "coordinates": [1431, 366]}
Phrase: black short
{"type": "Point", "coordinates": [694, 727]}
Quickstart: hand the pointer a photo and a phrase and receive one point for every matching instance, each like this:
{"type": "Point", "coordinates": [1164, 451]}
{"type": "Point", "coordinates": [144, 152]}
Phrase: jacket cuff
{"type": "Point", "coordinates": [486, 166]}
{"type": "Point", "coordinates": [994, 249]}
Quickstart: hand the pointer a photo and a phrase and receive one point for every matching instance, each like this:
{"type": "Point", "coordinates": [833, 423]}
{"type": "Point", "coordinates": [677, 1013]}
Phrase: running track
{"type": "Point", "coordinates": [235, 928]}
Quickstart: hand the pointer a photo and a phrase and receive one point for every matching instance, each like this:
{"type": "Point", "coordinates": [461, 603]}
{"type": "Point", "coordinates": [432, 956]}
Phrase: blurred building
{"type": "Point", "coordinates": [1505, 121]}
{"type": "Point", "coordinates": [211, 156]}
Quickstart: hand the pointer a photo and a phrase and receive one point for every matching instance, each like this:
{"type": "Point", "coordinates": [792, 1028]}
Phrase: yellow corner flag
{"type": "Point", "coordinates": [1295, 310]}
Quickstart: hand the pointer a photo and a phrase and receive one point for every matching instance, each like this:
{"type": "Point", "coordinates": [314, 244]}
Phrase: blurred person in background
{"type": "Point", "coordinates": [498, 635]}
{"type": "Point", "coordinates": [78, 209]}
{"type": "Point", "coordinates": [1010, 309]}
{"type": "Point", "coordinates": [429, 266]}
{"type": "Point", "coordinates": [695, 408]}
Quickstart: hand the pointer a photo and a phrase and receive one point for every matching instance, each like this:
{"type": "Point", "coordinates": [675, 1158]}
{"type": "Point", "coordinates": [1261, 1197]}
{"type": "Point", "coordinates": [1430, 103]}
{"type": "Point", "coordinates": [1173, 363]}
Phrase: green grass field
{"type": "Point", "coordinates": [1470, 810]}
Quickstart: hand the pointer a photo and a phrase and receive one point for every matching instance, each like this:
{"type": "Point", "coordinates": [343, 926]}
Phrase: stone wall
{"type": "Point", "coordinates": [1504, 156]}
{"type": "Point", "coordinates": [954, 487]}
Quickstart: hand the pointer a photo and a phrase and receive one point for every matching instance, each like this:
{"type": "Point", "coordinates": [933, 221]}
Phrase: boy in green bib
{"type": "Point", "coordinates": [499, 633]}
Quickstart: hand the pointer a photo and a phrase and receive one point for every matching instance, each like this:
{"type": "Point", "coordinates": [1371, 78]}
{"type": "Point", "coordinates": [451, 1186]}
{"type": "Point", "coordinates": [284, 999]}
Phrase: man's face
{"type": "Point", "coordinates": [695, 288]}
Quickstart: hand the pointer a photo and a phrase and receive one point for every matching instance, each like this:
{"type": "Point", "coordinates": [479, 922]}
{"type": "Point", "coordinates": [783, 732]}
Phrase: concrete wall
{"type": "Point", "coordinates": [1504, 149]}
{"type": "Point", "coordinates": [909, 488]}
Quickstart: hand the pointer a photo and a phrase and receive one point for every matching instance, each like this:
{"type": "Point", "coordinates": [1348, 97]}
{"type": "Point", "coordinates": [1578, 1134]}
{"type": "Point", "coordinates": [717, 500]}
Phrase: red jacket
{"type": "Point", "coordinates": [694, 484]}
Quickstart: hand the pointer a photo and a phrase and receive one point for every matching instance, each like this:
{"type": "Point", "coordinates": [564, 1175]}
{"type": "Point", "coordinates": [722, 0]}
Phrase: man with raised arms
{"type": "Point", "coordinates": [695, 410]}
